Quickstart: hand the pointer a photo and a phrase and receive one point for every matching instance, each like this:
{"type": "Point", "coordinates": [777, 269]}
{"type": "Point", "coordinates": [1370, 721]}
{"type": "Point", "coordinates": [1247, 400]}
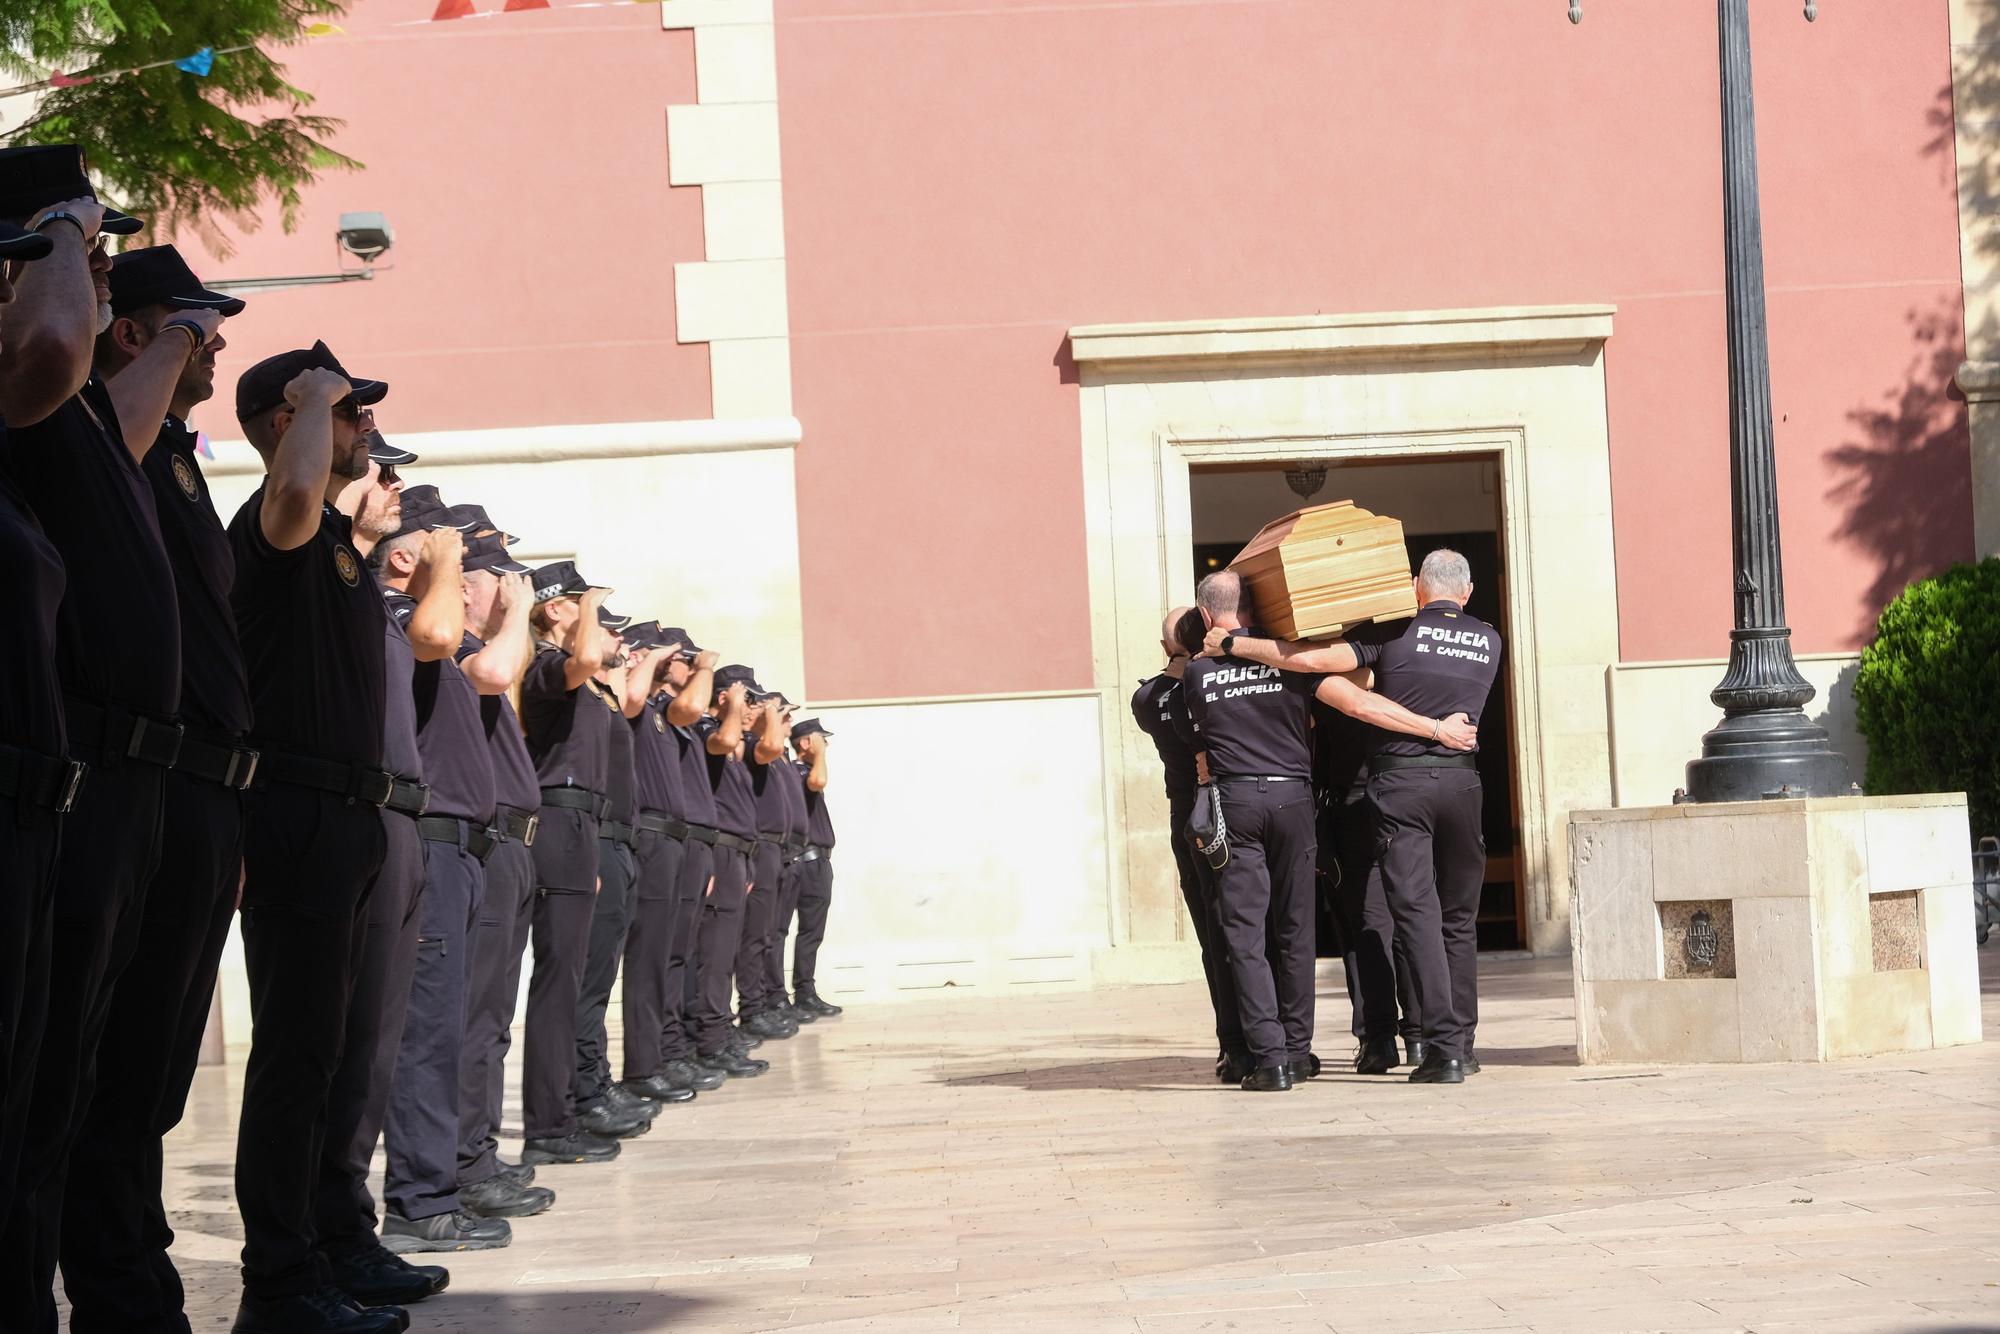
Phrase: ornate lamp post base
{"type": "Point", "coordinates": [1765, 746]}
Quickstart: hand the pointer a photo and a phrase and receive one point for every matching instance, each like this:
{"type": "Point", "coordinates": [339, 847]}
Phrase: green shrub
{"type": "Point", "coordinates": [1928, 694]}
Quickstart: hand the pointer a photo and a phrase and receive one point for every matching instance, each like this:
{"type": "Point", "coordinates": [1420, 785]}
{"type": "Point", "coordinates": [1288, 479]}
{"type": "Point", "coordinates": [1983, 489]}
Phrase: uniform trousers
{"type": "Point", "coordinates": [559, 929]}
{"type": "Point", "coordinates": [791, 883]}
{"type": "Point", "coordinates": [815, 898]}
{"type": "Point", "coordinates": [1433, 851]}
{"type": "Point", "coordinates": [1378, 982]}
{"type": "Point", "coordinates": [116, 1272]}
{"type": "Point", "coordinates": [1265, 894]}
{"type": "Point", "coordinates": [760, 914]}
{"type": "Point", "coordinates": [610, 924]}
{"type": "Point", "coordinates": [680, 989]}
{"type": "Point", "coordinates": [649, 949]}
{"type": "Point", "coordinates": [384, 962]}
{"type": "Point", "coordinates": [499, 937]}
{"type": "Point", "coordinates": [718, 932]}
{"type": "Point", "coordinates": [29, 840]}
{"type": "Point", "coordinates": [309, 862]}
{"type": "Point", "coordinates": [1198, 892]}
{"type": "Point", "coordinates": [110, 849]}
{"type": "Point", "coordinates": [420, 1133]}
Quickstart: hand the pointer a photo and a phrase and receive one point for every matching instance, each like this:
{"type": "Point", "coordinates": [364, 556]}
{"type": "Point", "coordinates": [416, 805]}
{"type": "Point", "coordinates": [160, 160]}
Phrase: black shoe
{"type": "Point", "coordinates": [455, 1231]}
{"type": "Point", "coordinates": [606, 1122]}
{"type": "Point", "coordinates": [688, 1075]}
{"type": "Point", "coordinates": [378, 1277]}
{"type": "Point", "coordinates": [326, 1311]}
{"type": "Point", "coordinates": [1376, 1057]}
{"type": "Point", "coordinates": [1302, 1070]}
{"type": "Point", "coordinates": [630, 1102]}
{"type": "Point", "coordinates": [497, 1197]}
{"type": "Point", "coordinates": [797, 1015]}
{"type": "Point", "coordinates": [659, 1090]}
{"type": "Point", "coordinates": [806, 998]}
{"type": "Point", "coordinates": [1268, 1079]}
{"type": "Point", "coordinates": [1471, 1063]}
{"type": "Point", "coordinates": [742, 1037]}
{"type": "Point", "coordinates": [519, 1173]}
{"type": "Point", "coordinates": [732, 1064]}
{"type": "Point", "coordinates": [1415, 1050]}
{"type": "Point", "coordinates": [575, 1147]}
{"type": "Point", "coordinates": [1438, 1068]}
{"type": "Point", "coordinates": [1234, 1066]}
{"type": "Point", "coordinates": [770, 1024]}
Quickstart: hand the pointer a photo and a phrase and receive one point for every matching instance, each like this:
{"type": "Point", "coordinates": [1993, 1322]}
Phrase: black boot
{"type": "Point", "coordinates": [499, 1197]}
{"type": "Point", "coordinates": [1438, 1069]}
{"type": "Point", "coordinates": [379, 1277]}
{"type": "Point", "coordinates": [807, 998]}
{"type": "Point", "coordinates": [455, 1231]}
{"type": "Point", "coordinates": [1414, 1051]}
{"type": "Point", "coordinates": [575, 1147]}
{"type": "Point", "coordinates": [1268, 1079]}
{"type": "Point", "coordinates": [1376, 1057]}
{"type": "Point", "coordinates": [687, 1075]}
{"type": "Point", "coordinates": [608, 1122]}
{"type": "Point", "coordinates": [733, 1065]}
{"type": "Point", "coordinates": [659, 1089]}
{"type": "Point", "coordinates": [1302, 1070]}
{"type": "Point", "coordinates": [326, 1311]}
{"type": "Point", "coordinates": [1234, 1066]}
{"type": "Point", "coordinates": [519, 1173]}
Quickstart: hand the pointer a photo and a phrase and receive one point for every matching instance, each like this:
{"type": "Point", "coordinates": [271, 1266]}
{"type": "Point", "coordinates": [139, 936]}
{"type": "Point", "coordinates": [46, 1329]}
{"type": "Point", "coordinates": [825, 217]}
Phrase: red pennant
{"type": "Point", "coordinates": [70, 80]}
{"type": "Point", "coordinates": [452, 9]}
{"type": "Point", "coordinates": [514, 6]}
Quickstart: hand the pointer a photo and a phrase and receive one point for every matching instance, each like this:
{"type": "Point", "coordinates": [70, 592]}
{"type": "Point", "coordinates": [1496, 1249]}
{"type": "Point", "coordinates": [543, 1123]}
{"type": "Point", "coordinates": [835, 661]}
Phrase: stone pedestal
{"type": "Point", "coordinates": [1773, 931]}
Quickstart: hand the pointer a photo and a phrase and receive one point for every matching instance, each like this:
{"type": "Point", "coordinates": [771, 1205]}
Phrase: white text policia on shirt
{"type": "Point", "coordinates": [1472, 644]}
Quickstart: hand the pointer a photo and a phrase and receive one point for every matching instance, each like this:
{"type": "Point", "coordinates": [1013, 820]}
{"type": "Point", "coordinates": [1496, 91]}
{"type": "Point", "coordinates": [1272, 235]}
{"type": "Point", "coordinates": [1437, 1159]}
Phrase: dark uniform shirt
{"type": "Point", "coordinates": [1442, 661]}
{"type": "Point", "coordinates": [514, 781]}
{"type": "Point", "coordinates": [450, 737]}
{"type": "Point", "coordinates": [729, 779]}
{"type": "Point", "coordinates": [96, 507]}
{"type": "Point", "coordinates": [619, 784]}
{"type": "Point", "coordinates": [696, 793]}
{"type": "Point", "coordinates": [569, 731]}
{"type": "Point", "coordinates": [1159, 706]}
{"type": "Point", "coordinates": [400, 754]}
{"type": "Point", "coordinates": [656, 761]}
{"type": "Point", "coordinates": [768, 794]}
{"type": "Point", "coordinates": [215, 693]}
{"type": "Point", "coordinates": [31, 705]}
{"type": "Point", "coordinates": [786, 777]}
{"type": "Point", "coordinates": [819, 824]}
{"type": "Point", "coordinates": [1254, 721]}
{"type": "Point", "coordinates": [311, 626]}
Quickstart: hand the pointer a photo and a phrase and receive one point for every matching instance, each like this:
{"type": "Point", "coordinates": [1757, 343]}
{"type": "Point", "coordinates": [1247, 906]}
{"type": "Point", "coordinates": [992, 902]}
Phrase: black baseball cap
{"type": "Point", "coordinates": [728, 676]}
{"type": "Point", "coordinates": [640, 634]}
{"type": "Point", "coordinates": [36, 176]}
{"type": "Point", "coordinates": [380, 450]}
{"type": "Point", "coordinates": [21, 245]}
{"type": "Point", "coordinates": [475, 519]}
{"type": "Point", "coordinates": [488, 551]}
{"type": "Point", "coordinates": [262, 387]}
{"type": "Point", "coordinates": [673, 634]}
{"type": "Point", "coordinates": [560, 580]}
{"type": "Point", "coordinates": [423, 510]}
{"type": "Point", "coordinates": [612, 621]}
{"type": "Point", "coordinates": [158, 276]}
{"type": "Point", "coordinates": [810, 727]}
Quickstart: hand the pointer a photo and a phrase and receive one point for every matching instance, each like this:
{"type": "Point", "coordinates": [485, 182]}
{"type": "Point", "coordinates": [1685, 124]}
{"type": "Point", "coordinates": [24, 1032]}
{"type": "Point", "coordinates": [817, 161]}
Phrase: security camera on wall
{"type": "Point", "coordinates": [366, 236]}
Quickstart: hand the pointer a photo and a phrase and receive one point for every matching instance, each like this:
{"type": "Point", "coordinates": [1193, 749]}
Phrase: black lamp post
{"type": "Point", "coordinates": [1765, 746]}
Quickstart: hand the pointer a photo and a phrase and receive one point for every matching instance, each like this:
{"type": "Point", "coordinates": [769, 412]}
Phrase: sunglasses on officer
{"type": "Point", "coordinates": [353, 413]}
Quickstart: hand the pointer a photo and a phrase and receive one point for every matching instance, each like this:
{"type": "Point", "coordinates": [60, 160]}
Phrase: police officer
{"type": "Point", "coordinates": [1426, 793]}
{"type": "Point", "coordinates": [311, 620]}
{"type": "Point", "coordinates": [602, 1107]}
{"type": "Point", "coordinates": [116, 1270]}
{"type": "Point", "coordinates": [798, 842]}
{"type": "Point", "coordinates": [568, 720]}
{"type": "Point", "coordinates": [815, 869]}
{"type": "Point", "coordinates": [719, 933]}
{"type": "Point", "coordinates": [763, 747]}
{"type": "Point", "coordinates": [1159, 707]}
{"type": "Point", "coordinates": [499, 597]}
{"type": "Point", "coordinates": [48, 313]}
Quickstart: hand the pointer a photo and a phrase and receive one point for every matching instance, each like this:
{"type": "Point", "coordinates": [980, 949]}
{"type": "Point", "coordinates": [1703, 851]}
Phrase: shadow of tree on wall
{"type": "Point", "coordinates": [1902, 478]}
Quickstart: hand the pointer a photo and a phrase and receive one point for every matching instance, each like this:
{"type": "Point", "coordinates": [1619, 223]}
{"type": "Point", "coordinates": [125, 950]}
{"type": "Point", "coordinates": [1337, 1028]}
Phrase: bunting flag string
{"type": "Point", "coordinates": [199, 63]}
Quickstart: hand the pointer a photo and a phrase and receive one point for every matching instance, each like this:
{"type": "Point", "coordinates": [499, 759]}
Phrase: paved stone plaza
{"type": "Point", "coordinates": [1064, 1163]}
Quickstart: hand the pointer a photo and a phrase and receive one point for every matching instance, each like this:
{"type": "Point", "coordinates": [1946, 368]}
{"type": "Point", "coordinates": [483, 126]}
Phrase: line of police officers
{"type": "Point", "coordinates": [1350, 764]}
{"type": "Point", "coordinates": [309, 714]}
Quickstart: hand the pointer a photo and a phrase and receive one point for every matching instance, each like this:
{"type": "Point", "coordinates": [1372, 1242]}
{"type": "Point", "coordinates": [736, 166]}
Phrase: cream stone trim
{"type": "Point", "coordinates": [1974, 24]}
{"type": "Point", "coordinates": [552, 444]}
{"type": "Point", "coordinates": [743, 298]}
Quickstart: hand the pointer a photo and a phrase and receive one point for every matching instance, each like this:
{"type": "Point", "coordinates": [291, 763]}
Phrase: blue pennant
{"type": "Point", "coordinates": [201, 62]}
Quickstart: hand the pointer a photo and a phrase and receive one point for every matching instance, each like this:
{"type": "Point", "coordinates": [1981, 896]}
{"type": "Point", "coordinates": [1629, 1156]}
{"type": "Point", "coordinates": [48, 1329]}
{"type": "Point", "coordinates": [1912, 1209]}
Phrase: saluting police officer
{"type": "Point", "coordinates": [815, 869]}
{"type": "Point", "coordinates": [1159, 707]}
{"type": "Point", "coordinates": [718, 1043]}
{"type": "Point", "coordinates": [117, 1272]}
{"type": "Point", "coordinates": [763, 747]}
{"type": "Point", "coordinates": [48, 314]}
{"type": "Point", "coordinates": [798, 842]}
{"type": "Point", "coordinates": [311, 620]}
{"type": "Point", "coordinates": [568, 721]}
{"type": "Point", "coordinates": [1426, 793]}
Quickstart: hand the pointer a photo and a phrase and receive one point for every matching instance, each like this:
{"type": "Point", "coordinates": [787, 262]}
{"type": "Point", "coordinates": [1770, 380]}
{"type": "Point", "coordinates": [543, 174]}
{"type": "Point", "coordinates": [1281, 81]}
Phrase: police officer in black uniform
{"type": "Point", "coordinates": [48, 312]}
{"type": "Point", "coordinates": [1159, 707]}
{"type": "Point", "coordinates": [311, 619]}
{"type": "Point", "coordinates": [815, 869]}
{"type": "Point", "coordinates": [1426, 793]}
{"type": "Point", "coordinates": [719, 934]}
{"type": "Point", "coordinates": [116, 1270]}
{"type": "Point", "coordinates": [568, 721]}
{"type": "Point", "coordinates": [765, 734]}
{"type": "Point", "coordinates": [798, 842]}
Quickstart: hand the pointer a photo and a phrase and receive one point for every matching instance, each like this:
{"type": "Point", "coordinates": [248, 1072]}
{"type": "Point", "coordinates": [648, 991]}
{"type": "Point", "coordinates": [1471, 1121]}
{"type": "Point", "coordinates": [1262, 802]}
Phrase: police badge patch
{"type": "Point", "coordinates": [184, 475]}
{"type": "Point", "coordinates": [659, 722]}
{"type": "Point", "coordinates": [346, 566]}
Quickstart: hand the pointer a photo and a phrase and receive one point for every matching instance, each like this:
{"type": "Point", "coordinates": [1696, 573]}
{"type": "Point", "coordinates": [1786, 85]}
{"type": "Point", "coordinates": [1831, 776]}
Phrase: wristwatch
{"type": "Point", "coordinates": [66, 216]}
{"type": "Point", "coordinates": [1228, 644]}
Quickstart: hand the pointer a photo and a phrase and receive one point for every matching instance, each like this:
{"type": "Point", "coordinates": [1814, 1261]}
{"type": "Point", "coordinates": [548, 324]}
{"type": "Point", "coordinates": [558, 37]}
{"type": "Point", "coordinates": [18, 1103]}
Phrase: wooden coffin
{"type": "Point", "coordinates": [1319, 570]}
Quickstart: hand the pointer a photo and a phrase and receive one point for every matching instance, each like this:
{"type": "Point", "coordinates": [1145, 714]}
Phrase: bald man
{"type": "Point", "coordinates": [1160, 709]}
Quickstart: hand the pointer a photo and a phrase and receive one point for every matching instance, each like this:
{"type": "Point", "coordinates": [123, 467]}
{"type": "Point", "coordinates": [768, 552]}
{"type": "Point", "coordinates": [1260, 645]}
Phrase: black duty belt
{"type": "Point", "coordinates": [1227, 780]}
{"type": "Point", "coordinates": [518, 825]}
{"type": "Point", "coordinates": [659, 822]}
{"type": "Point", "coordinates": [577, 799]}
{"type": "Point", "coordinates": [702, 833]}
{"type": "Point", "coordinates": [217, 757]}
{"type": "Point", "coordinates": [809, 855]}
{"type": "Point", "coordinates": [618, 832]}
{"type": "Point", "coordinates": [1382, 764]}
{"type": "Point", "coordinates": [35, 779]}
{"type": "Point", "coordinates": [356, 782]}
{"type": "Point", "coordinates": [459, 833]}
{"type": "Point", "coordinates": [742, 845]}
{"type": "Point", "coordinates": [116, 732]}
{"type": "Point", "coordinates": [794, 846]}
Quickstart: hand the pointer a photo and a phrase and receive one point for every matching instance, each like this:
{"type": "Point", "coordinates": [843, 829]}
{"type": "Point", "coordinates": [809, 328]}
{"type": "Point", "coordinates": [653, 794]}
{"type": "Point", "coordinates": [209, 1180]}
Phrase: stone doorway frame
{"type": "Point", "coordinates": [1525, 384]}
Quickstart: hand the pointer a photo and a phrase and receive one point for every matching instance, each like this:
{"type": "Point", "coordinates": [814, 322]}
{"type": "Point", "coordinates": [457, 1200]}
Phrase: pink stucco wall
{"type": "Point", "coordinates": [965, 181]}
{"type": "Point", "coordinates": [522, 161]}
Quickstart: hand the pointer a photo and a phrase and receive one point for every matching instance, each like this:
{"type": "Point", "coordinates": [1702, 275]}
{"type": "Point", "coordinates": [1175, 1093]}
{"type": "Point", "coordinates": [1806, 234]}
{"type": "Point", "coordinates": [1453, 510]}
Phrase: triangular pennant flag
{"type": "Point", "coordinates": [515, 6]}
{"type": "Point", "coordinates": [325, 30]}
{"type": "Point", "coordinates": [201, 445]}
{"type": "Point", "coordinates": [70, 80]}
{"type": "Point", "coordinates": [201, 62]}
{"type": "Point", "coordinates": [452, 9]}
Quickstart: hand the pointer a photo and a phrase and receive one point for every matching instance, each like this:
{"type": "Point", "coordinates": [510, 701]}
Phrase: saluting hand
{"type": "Point", "coordinates": [1458, 732]}
{"type": "Point", "coordinates": [443, 550]}
{"type": "Point", "coordinates": [592, 599]}
{"type": "Point", "coordinates": [87, 211]}
{"type": "Point", "coordinates": [707, 660]}
{"type": "Point", "coordinates": [208, 321]}
{"type": "Point", "coordinates": [318, 386]}
{"type": "Point", "coordinates": [515, 590]}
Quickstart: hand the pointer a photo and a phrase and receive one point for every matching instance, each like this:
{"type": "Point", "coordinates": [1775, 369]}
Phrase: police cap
{"type": "Point", "coordinates": [262, 387]}
{"type": "Point", "coordinates": [158, 276]}
{"type": "Point", "coordinates": [559, 579]}
{"type": "Point", "coordinates": [810, 727]}
{"type": "Point", "coordinates": [34, 177]}
{"type": "Point", "coordinates": [380, 450]}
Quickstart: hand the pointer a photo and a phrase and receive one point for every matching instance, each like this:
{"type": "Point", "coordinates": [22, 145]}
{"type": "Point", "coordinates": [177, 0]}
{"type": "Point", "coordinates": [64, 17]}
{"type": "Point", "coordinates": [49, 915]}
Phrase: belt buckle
{"type": "Point", "coordinates": [75, 771]}
{"type": "Point", "coordinates": [387, 789]}
{"type": "Point", "coordinates": [143, 727]}
{"type": "Point", "coordinates": [534, 827]}
{"type": "Point", "coordinates": [242, 769]}
{"type": "Point", "coordinates": [423, 798]}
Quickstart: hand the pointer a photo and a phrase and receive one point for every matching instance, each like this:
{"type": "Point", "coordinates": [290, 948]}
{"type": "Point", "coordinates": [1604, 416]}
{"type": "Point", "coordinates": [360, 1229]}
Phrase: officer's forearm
{"type": "Point", "coordinates": [144, 390]}
{"type": "Point", "coordinates": [693, 699]}
{"type": "Point", "coordinates": [51, 328]}
{"type": "Point", "coordinates": [770, 737]}
{"type": "Point", "coordinates": [1372, 708]}
{"type": "Point", "coordinates": [1292, 655]}
{"type": "Point", "coordinates": [816, 778]}
{"type": "Point", "coordinates": [437, 627]}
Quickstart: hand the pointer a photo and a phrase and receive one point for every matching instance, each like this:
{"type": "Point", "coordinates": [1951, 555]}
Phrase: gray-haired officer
{"type": "Point", "coordinates": [1426, 793]}
{"type": "Point", "coordinates": [116, 1270]}
{"type": "Point", "coordinates": [815, 870]}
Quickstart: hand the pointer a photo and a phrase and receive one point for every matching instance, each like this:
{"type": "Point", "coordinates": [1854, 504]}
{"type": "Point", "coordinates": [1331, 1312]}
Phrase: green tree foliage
{"type": "Point", "coordinates": [1928, 693]}
{"type": "Point", "coordinates": [180, 150]}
